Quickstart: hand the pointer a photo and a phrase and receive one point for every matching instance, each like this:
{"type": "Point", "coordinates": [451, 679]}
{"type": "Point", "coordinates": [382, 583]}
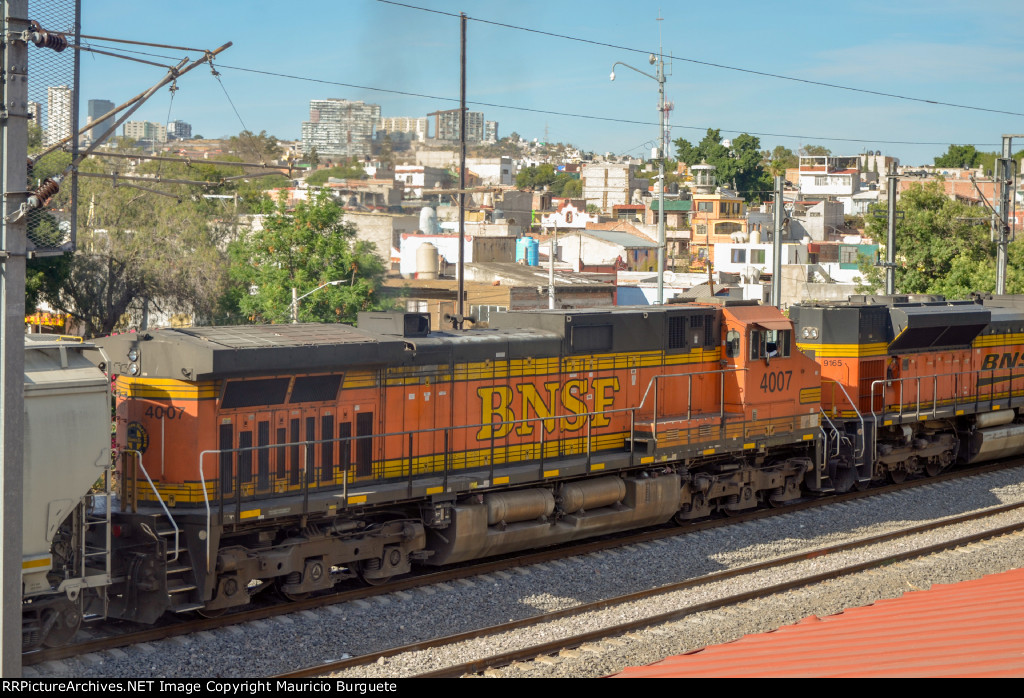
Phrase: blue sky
{"type": "Point", "coordinates": [942, 50]}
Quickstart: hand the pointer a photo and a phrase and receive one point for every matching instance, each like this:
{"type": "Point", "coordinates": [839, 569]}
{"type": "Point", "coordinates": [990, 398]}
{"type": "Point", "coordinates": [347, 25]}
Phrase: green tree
{"type": "Point", "coordinates": [249, 145]}
{"type": "Point", "coordinates": [738, 165]}
{"type": "Point", "coordinates": [941, 245]}
{"type": "Point", "coordinates": [313, 158]}
{"type": "Point", "coordinates": [352, 170]}
{"type": "Point", "coordinates": [959, 156]}
{"type": "Point", "coordinates": [777, 161]}
{"type": "Point", "coordinates": [135, 250]}
{"type": "Point", "coordinates": [815, 150]}
{"type": "Point", "coordinates": [535, 176]}
{"type": "Point", "coordinates": [303, 249]}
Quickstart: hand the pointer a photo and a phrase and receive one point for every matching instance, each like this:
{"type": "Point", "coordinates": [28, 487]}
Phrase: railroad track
{"type": "Point", "coordinates": [568, 644]}
{"type": "Point", "coordinates": [130, 634]}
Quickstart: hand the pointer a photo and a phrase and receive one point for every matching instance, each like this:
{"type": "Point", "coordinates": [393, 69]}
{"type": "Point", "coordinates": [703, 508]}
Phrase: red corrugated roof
{"type": "Point", "coordinates": [970, 629]}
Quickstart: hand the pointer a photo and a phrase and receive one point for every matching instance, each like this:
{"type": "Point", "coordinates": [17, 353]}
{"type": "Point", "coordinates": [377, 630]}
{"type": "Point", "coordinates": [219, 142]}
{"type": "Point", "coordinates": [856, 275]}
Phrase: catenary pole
{"type": "Point", "coordinates": [14, 142]}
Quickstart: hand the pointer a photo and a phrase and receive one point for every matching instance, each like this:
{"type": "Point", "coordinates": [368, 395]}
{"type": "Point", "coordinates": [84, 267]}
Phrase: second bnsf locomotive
{"type": "Point", "coordinates": [913, 384]}
{"type": "Point", "coordinates": [292, 456]}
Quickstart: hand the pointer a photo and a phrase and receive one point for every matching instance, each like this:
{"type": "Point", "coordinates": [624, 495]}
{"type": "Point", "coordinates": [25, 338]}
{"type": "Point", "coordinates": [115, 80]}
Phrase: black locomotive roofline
{"type": "Point", "coordinates": [902, 323]}
{"type": "Point", "coordinates": [404, 339]}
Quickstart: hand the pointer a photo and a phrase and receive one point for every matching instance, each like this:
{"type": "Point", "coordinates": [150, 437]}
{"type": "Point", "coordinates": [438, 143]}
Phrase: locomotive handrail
{"type": "Point", "coordinates": [860, 417]}
{"type": "Point", "coordinates": [958, 377]}
{"type": "Point", "coordinates": [654, 382]}
{"type": "Point", "coordinates": [835, 430]}
{"type": "Point", "coordinates": [163, 505]}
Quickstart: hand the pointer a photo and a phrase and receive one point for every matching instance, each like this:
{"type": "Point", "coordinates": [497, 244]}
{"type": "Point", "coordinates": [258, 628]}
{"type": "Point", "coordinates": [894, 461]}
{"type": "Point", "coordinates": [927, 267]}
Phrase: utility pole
{"type": "Point", "coordinates": [460, 310]}
{"type": "Point", "coordinates": [1004, 175]}
{"type": "Point", "coordinates": [13, 250]}
{"type": "Point", "coordinates": [777, 246]}
{"type": "Point", "coordinates": [890, 240]}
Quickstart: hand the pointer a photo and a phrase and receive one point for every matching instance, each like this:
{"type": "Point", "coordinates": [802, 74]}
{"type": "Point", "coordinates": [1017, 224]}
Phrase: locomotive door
{"type": "Point", "coordinates": [359, 419]}
{"type": "Point", "coordinates": [427, 406]}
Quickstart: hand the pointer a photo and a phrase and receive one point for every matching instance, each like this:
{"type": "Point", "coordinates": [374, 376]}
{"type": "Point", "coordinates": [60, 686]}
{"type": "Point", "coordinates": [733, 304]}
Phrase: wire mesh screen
{"type": "Point", "coordinates": [53, 123]}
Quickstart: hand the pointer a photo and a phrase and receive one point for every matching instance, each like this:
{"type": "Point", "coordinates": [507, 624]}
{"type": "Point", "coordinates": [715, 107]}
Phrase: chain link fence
{"type": "Point", "coordinates": [53, 94]}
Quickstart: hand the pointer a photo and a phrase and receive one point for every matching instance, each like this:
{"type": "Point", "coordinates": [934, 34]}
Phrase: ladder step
{"type": "Point", "coordinates": [178, 569]}
{"type": "Point", "coordinates": [186, 607]}
{"type": "Point", "coordinates": [178, 586]}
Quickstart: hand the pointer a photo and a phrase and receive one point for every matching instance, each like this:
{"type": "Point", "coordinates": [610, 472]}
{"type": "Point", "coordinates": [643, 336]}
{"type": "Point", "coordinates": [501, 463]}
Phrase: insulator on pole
{"type": "Point", "coordinates": [44, 39]}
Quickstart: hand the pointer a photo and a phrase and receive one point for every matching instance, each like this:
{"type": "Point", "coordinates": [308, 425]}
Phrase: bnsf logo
{"type": "Point", "coordinates": [1007, 360]}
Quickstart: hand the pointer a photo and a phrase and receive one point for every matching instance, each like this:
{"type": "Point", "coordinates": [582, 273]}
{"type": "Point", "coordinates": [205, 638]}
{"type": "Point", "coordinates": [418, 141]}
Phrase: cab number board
{"type": "Point", "coordinates": [774, 381]}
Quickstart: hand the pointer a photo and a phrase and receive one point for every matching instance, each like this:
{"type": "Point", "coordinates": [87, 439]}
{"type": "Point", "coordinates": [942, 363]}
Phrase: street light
{"type": "Point", "coordinates": [296, 298]}
{"type": "Point", "coordinates": [658, 60]}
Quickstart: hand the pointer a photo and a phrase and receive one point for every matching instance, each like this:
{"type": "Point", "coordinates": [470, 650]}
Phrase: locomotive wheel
{"type": "Point", "coordinates": [66, 619]}
{"type": "Point", "coordinates": [211, 612]}
{"type": "Point", "coordinates": [933, 468]}
{"type": "Point", "coordinates": [896, 476]}
{"type": "Point", "coordinates": [279, 583]}
{"type": "Point", "coordinates": [361, 570]}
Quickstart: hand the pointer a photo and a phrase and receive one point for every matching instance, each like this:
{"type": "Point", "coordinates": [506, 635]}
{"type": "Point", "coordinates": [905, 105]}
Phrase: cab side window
{"type": "Point", "coordinates": [732, 344]}
{"type": "Point", "coordinates": [769, 343]}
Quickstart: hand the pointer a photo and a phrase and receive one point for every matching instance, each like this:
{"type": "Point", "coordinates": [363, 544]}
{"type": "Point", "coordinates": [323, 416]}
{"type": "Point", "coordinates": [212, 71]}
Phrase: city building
{"type": "Point", "coordinates": [403, 129]}
{"type": "Point", "coordinates": [830, 177]}
{"type": "Point", "coordinates": [60, 112]}
{"type": "Point", "coordinates": [35, 113]}
{"type": "Point", "coordinates": [607, 184]}
{"type": "Point", "coordinates": [179, 130]}
{"type": "Point", "coordinates": [446, 126]}
{"type": "Point", "coordinates": [96, 109]}
{"type": "Point", "coordinates": [145, 132]}
{"type": "Point", "coordinates": [340, 128]}
{"type": "Point", "coordinates": [717, 214]}
{"type": "Point", "coordinates": [491, 132]}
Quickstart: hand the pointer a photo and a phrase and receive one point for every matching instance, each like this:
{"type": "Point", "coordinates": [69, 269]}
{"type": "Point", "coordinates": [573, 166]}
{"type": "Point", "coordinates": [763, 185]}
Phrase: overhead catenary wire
{"type": "Point", "coordinates": [593, 117]}
{"type": "Point", "coordinates": [709, 64]}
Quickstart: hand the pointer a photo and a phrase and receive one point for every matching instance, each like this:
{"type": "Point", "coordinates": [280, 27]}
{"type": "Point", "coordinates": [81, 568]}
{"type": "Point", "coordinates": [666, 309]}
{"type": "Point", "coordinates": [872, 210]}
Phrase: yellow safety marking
{"type": "Point", "coordinates": [250, 514]}
{"type": "Point", "coordinates": [550, 473]}
{"type": "Point", "coordinates": [501, 480]}
{"type": "Point", "coordinates": [887, 423]}
{"type": "Point", "coordinates": [597, 466]}
{"type": "Point", "coordinates": [746, 446]}
{"type": "Point", "coordinates": [959, 412]}
{"type": "Point", "coordinates": [647, 459]}
{"type": "Point", "coordinates": [357, 499]}
{"type": "Point", "coordinates": [32, 564]}
{"type": "Point", "coordinates": [995, 407]}
{"type": "Point", "coordinates": [438, 490]}
{"type": "Point", "coordinates": [708, 451]}
{"type": "Point", "coordinates": [808, 437]}
{"type": "Point", "coordinates": [845, 350]}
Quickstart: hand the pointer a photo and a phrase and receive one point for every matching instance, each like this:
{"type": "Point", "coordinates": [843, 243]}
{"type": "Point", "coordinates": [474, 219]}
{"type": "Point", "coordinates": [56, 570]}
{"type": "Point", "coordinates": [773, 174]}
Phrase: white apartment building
{"type": "Point", "coordinates": [340, 128]}
{"type": "Point", "coordinates": [60, 101]}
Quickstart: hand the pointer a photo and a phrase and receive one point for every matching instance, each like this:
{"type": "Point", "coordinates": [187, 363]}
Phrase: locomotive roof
{"type": "Point", "coordinates": [903, 323]}
{"type": "Point", "coordinates": [206, 353]}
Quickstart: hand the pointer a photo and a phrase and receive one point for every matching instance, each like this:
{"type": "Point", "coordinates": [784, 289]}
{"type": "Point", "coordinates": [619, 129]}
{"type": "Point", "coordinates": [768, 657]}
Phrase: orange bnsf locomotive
{"type": "Point", "coordinates": [913, 384]}
{"type": "Point", "coordinates": [295, 455]}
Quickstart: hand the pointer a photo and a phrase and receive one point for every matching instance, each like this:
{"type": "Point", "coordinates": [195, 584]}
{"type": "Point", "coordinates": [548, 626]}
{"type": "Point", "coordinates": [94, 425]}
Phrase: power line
{"type": "Point", "coordinates": [592, 117]}
{"type": "Point", "coordinates": [721, 66]}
